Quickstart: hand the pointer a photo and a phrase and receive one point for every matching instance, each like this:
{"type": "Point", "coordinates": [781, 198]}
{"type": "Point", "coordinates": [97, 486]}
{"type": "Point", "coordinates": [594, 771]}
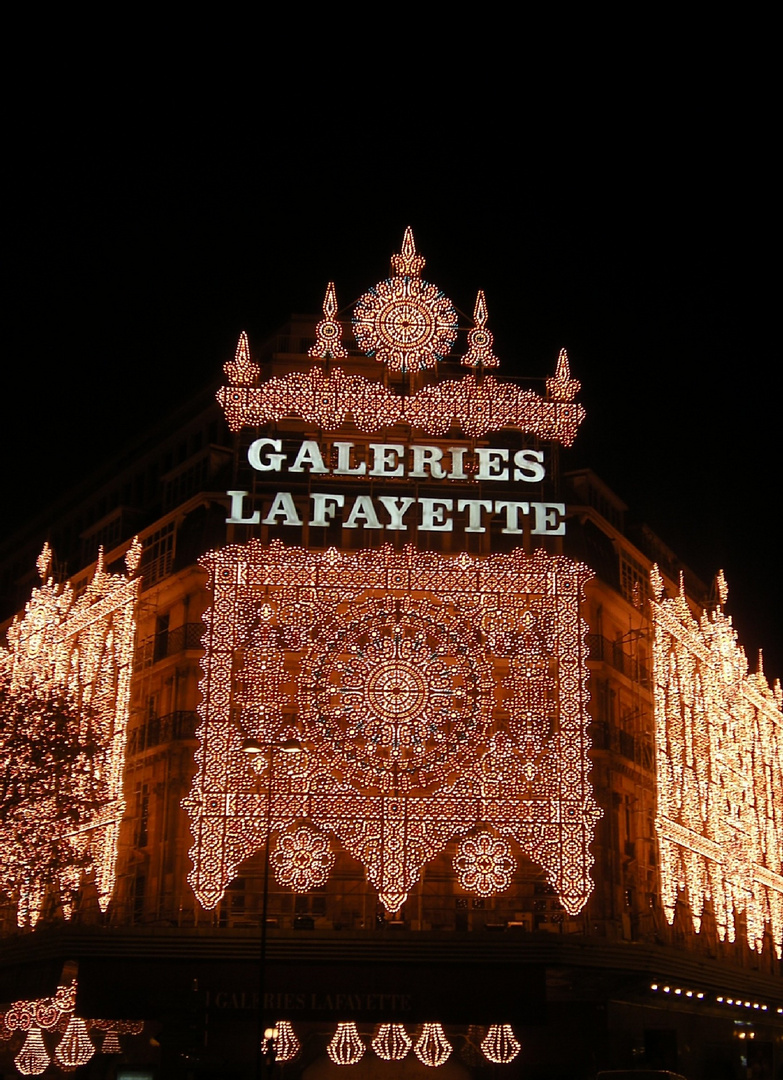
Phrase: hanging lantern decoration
{"type": "Point", "coordinates": [33, 1058]}
{"type": "Point", "coordinates": [111, 1044]}
{"type": "Point", "coordinates": [346, 1048]}
{"type": "Point", "coordinates": [287, 1046]}
{"type": "Point", "coordinates": [392, 1042]}
{"type": "Point", "coordinates": [75, 1047]}
{"type": "Point", "coordinates": [500, 1045]}
{"type": "Point", "coordinates": [433, 1048]}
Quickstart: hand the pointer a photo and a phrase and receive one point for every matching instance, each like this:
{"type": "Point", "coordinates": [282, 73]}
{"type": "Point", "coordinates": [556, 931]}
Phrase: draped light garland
{"type": "Point", "coordinates": [431, 694]}
{"type": "Point", "coordinates": [719, 742]}
{"type": "Point", "coordinates": [64, 698]}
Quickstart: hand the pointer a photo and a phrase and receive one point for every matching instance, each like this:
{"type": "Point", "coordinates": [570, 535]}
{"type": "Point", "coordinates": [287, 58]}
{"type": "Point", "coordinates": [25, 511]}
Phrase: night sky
{"type": "Point", "coordinates": [139, 248]}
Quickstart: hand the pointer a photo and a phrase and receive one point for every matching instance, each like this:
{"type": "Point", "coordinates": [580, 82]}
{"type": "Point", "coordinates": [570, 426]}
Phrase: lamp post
{"type": "Point", "coordinates": [253, 747]}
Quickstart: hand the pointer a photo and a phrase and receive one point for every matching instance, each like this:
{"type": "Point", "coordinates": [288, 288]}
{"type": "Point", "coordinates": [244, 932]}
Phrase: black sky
{"type": "Point", "coordinates": [642, 237]}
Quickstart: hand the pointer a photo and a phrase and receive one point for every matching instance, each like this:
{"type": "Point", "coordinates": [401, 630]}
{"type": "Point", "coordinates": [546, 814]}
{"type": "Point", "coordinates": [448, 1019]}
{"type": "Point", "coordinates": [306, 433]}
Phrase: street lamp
{"type": "Point", "coordinates": [267, 1036]}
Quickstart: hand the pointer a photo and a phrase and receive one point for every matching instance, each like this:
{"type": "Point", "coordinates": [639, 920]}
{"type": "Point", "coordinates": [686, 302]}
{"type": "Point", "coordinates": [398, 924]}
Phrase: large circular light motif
{"type": "Point", "coordinates": [405, 323]}
{"type": "Point", "coordinates": [484, 864]}
{"type": "Point", "coordinates": [396, 694]}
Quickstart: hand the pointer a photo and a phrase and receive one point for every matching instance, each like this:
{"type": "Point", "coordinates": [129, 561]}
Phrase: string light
{"type": "Point", "coordinates": [392, 1043]}
{"type": "Point", "coordinates": [719, 741]}
{"type": "Point", "coordinates": [287, 1045]}
{"type": "Point", "coordinates": [561, 387]}
{"type": "Point", "coordinates": [64, 696]}
{"type": "Point", "coordinates": [480, 353]}
{"type": "Point", "coordinates": [328, 332]}
{"type": "Point", "coordinates": [500, 1045]}
{"type": "Point", "coordinates": [433, 1048]}
{"type": "Point", "coordinates": [346, 1048]}
{"type": "Point", "coordinates": [328, 400]}
{"type": "Point", "coordinates": [484, 864]}
{"type": "Point", "coordinates": [75, 1047]}
{"type": "Point", "coordinates": [432, 695]}
{"type": "Point", "coordinates": [33, 1058]}
{"type": "Point", "coordinates": [303, 859]}
{"type": "Point", "coordinates": [404, 322]}
{"type": "Point", "coordinates": [111, 1043]}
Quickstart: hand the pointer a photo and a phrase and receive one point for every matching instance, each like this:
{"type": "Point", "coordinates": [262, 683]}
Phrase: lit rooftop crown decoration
{"type": "Point", "coordinates": [719, 741]}
{"type": "Point", "coordinates": [432, 695]}
{"type": "Point", "coordinates": [403, 321]}
{"type": "Point", "coordinates": [64, 698]}
{"type": "Point", "coordinates": [480, 352]}
{"type": "Point", "coordinates": [409, 326]}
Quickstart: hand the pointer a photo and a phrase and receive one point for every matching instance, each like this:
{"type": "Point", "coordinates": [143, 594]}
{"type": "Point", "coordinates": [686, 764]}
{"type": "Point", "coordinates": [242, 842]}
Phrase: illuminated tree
{"type": "Point", "coordinates": [48, 781]}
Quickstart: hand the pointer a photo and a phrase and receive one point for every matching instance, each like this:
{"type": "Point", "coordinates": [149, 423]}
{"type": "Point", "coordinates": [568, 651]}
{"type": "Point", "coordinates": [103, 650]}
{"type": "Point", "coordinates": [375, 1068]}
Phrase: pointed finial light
{"type": "Point", "coordinates": [561, 387]}
{"type": "Point", "coordinates": [408, 263]}
{"type": "Point", "coordinates": [328, 332]}
{"type": "Point", "coordinates": [479, 338]}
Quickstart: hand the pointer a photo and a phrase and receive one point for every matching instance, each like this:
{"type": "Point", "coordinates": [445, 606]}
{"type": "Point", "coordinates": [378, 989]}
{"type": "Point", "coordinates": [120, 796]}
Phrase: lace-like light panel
{"type": "Point", "coordinates": [432, 695]}
{"type": "Point", "coordinates": [65, 690]}
{"type": "Point", "coordinates": [719, 741]}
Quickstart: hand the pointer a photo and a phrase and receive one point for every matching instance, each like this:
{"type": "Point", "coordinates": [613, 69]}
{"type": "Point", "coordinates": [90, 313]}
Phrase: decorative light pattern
{"type": "Point", "coordinates": [33, 1058]}
{"type": "Point", "coordinates": [432, 695]}
{"type": "Point", "coordinates": [287, 1046]}
{"type": "Point", "coordinates": [328, 332]}
{"type": "Point", "coordinates": [346, 1048]}
{"type": "Point", "coordinates": [242, 370]}
{"type": "Point", "coordinates": [392, 1043]}
{"type": "Point", "coordinates": [64, 697]}
{"type": "Point", "coordinates": [46, 1012]}
{"type": "Point", "coordinates": [303, 859]}
{"type": "Point", "coordinates": [75, 1047]}
{"type": "Point", "coordinates": [328, 400]}
{"type": "Point", "coordinates": [484, 864]}
{"type": "Point", "coordinates": [432, 1048]}
{"type": "Point", "coordinates": [480, 353]}
{"type": "Point", "coordinates": [561, 387]}
{"type": "Point", "coordinates": [500, 1044]}
{"type": "Point", "coordinates": [111, 1043]}
{"type": "Point", "coordinates": [404, 322]}
{"type": "Point", "coordinates": [719, 741]}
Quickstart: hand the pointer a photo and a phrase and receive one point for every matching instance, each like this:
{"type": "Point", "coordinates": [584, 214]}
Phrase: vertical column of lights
{"type": "Point", "coordinates": [719, 741]}
{"type": "Point", "coordinates": [393, 663]}
{"type": "Point", "coordinates": [500, 1045]}
{"type": "Point", "coordinates": [392, 1043]}
{"type": "Point", "coordinates": [65, 680]}
{"type": "Point", "coordinates": [346, 1048]}
{"type": "Point", "coordinates": [432, 1048]}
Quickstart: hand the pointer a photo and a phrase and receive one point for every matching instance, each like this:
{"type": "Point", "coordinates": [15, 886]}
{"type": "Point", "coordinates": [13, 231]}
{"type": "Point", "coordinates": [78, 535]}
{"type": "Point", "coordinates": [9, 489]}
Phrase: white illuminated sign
{"type": "Point", "coordinates": [392, 461]}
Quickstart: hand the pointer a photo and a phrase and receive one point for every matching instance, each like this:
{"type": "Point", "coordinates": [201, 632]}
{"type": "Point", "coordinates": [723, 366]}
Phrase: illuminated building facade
{"type": "Point", "coordinates": [536, 791]}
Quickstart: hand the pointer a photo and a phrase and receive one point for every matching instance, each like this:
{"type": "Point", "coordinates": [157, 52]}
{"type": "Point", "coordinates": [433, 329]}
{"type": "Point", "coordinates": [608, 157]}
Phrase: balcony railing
{"type": "Point", "coordinates": [162, 729]}
{"type": "Point", "coordinates": [167, 643]}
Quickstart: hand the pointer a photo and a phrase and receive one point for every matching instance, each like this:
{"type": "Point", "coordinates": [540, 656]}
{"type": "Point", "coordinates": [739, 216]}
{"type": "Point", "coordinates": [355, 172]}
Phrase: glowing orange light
{"type": "Point", "coordinates": [500, 1045]}
{"type": "Point", "coordinates": [719, 739]}
{"type": "Point", "coordinates": [65, 691]}
{"type": "Point", "coordinates": [392, 1042]}
{"type": "Point", "coordinates": [433, 1048]}
{"type": "Point", "coordinates": [287, 1045]}
{"type": "Point", "coordinates": [303, 859]}
{"type": "Point", "coordinates": [33, 1058]}
{"type": "Point", "coordinates": [431, 695]}
{"type": "Point", "coordinates": [346, 1048]}
{"type": "Point", "coordinates": [75, 1047]}
{"type": "Point", "coordinates": [328, 332]}
{"type": "Point", "coordinates": [484, 864]}
{"type": "Point", "coordinates": [480, 353]}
